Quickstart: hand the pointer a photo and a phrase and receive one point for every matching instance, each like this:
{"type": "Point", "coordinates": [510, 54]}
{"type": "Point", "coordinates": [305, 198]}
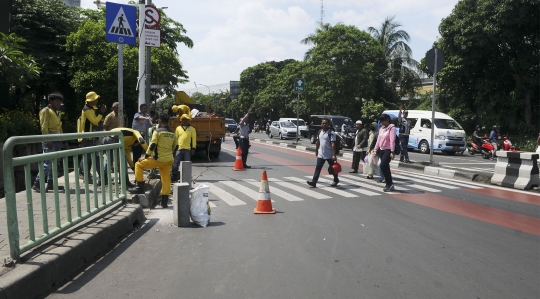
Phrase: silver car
{"type": "Point", "coordinates": [282, 129]}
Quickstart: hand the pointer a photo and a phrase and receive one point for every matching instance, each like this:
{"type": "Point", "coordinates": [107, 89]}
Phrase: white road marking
{"type": "Point", "coordinates": [224, 195]}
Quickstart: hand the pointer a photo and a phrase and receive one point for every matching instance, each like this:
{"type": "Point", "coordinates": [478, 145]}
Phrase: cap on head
{"type": "Point", "coordinates": [115, 104]}
{"type": "Point", "coordinates": [175, 108]}
{"type": "Point", "coordinates": [91, 96]}
{"type": "Point", "coordinates": [358, 122]}
{"type": "Point", "coordinates": [186, 116]}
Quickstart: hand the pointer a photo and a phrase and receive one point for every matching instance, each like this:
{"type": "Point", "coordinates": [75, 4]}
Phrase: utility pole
{"type": "Point", "coordinates": [141, 82]}
{"type": "Point", "coordinates": [148, 70]}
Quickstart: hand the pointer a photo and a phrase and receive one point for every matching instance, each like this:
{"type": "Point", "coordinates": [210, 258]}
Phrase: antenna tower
{"type": "Point", "coordinates": [322, 12]}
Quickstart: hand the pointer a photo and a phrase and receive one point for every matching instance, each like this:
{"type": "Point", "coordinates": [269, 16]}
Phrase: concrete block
{"type": "Point", "coordinates": [181, 205]}
{"type": "Point", "coordinates": [283, 144]}
{"type": "Point", "coordinates": [300, 147]}
{"type": "Point", "coordinates": [185, 173]}
{"type": "Point", "coordinates": [269, 141]}
{"type": "Point", "coordinates": [447, 173]}
{"type": "Point", "coordinates": [431, 170]}
{"type": "Point", "coordinates": [412, 166]}
{"type": "Point", "coordinates": [466, 175]}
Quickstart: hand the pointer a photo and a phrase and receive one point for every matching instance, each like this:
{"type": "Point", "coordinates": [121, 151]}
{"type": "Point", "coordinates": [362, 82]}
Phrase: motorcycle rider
{"type": "Point", "coordinates": [493, 140]}
{"type": "Point", "coordinates": [478, 136]}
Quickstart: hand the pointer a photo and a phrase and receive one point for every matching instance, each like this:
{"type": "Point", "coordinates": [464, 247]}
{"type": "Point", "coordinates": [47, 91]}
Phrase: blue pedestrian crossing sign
{"type": "Point", "coordinates": [121, 22]}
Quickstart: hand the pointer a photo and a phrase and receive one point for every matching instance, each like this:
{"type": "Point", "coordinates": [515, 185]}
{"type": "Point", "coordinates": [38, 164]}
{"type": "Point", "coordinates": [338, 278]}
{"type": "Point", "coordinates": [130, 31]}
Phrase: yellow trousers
{"type": "Point", "coordinates": [164, 171]}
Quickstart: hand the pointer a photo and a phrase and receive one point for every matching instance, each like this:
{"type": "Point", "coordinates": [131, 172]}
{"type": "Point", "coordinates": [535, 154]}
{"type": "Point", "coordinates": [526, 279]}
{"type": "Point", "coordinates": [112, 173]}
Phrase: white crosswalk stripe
{"type": "Point", "coordinates": [280, 193]}
{"type": "Point", "coordinates": [295, 189]}
{"type": "Point", "coordinates": [356, 181]}
{"type": "Point", "coordinates": [224, 195]}
{"type": "Point", "coordinates": [445, 181]}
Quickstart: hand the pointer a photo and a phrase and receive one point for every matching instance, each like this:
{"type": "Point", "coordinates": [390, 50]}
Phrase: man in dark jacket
{"type": "Point", "coordinates": [404, 131]}
{"type": "Point", "coordinates": [360, 146]}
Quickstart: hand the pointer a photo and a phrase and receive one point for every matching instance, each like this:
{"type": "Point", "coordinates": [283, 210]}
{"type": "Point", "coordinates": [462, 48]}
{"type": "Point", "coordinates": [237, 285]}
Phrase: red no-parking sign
{"type": "Point", "coordinates": [152, 16]}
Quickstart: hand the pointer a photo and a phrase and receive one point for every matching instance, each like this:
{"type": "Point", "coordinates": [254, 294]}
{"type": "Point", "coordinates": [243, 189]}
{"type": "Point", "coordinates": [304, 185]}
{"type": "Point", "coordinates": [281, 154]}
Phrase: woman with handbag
{"type": "Point", "coordinates": [384, 147]}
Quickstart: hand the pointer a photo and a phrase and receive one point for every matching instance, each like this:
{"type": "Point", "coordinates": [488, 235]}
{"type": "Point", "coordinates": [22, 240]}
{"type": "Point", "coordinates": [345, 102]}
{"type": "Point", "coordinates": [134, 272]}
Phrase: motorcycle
{"type": "Point", "coordinates": [485, 149]}
{"type": "Point", "coordinates": [347, 138]}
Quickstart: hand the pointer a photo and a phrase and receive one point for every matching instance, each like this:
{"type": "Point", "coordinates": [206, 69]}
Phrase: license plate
{"type": "Point", "coordinates": [456, 148]}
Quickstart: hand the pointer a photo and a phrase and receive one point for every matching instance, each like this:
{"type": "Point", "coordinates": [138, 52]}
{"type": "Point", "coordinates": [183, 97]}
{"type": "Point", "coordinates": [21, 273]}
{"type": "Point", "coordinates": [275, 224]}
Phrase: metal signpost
{"type": "Point", "coordinates": [121, 21]}
{"type": "Point", "coordinates": [299, 87]}
{"type": "Point", "coordinates": [151, 20]}
{"type": "Point", "coordinates": [434, 63]}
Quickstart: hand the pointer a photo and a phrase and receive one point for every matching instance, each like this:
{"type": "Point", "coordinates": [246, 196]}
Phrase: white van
{"type": "Point", "coordinates": [302, 127]}
{"type": "Point", "coordinates": [449, 136]}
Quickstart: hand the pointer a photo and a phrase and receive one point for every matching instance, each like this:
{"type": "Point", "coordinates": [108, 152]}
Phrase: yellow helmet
{"type": "Point", "coordinates": [185, 116]}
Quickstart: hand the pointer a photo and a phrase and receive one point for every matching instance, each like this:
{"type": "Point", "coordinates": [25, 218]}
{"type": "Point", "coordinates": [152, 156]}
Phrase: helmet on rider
{"type": "Point", "coordinates": [477, 128]}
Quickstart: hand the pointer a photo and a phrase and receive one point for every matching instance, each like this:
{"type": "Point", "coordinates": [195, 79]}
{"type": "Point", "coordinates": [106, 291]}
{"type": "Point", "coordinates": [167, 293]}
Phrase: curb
{"type": "Point", "coordinates": [55, 262]}
{"type": "Point", "coordinates": [423, 167]}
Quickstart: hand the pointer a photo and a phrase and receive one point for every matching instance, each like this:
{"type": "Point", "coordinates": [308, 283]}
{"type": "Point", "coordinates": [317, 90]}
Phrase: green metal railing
{"type": "Point", "coordinates": [84, 208]}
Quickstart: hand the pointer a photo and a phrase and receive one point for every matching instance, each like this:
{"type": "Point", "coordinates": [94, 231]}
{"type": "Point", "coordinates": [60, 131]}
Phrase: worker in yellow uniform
{"type": "Point", "coordinates": [159, 155]}
{"type": "Point", "coordinates": [90, 118]}
{"type": "Point", "coordinates": [187, 142]}
{"type": "Point", "coordinates": [50, 123]}
{"type": "Point", "coordinates": [131, 138]}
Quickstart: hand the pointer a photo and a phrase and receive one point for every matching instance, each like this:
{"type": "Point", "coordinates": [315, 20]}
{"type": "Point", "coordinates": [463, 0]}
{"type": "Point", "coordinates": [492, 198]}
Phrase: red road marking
{"type": "Point", "coordinates": [509, 195]}
{"type": "Point", "coordinates": [486, 214]}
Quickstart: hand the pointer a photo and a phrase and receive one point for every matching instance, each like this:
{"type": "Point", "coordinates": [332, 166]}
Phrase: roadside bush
{"type": "Point", "coordinates": [17, 123]}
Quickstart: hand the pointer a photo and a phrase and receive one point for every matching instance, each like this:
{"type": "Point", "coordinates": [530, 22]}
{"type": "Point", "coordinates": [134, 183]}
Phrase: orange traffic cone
{"type": "Point", "coordinates": [238, 165]}
{"type": "Point", "coordinates": [264, 204]}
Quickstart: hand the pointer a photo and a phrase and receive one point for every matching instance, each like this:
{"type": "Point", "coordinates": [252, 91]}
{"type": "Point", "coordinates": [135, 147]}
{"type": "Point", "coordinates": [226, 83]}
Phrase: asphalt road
{"type": "Point", "coordinates": [432, 238]}
{"type": "Point", "coordinates": [459, 161]}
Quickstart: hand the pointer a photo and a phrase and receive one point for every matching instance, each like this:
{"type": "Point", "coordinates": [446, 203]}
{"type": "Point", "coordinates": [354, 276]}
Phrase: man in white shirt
{"type": "Point", "coordinates": [325, 152]}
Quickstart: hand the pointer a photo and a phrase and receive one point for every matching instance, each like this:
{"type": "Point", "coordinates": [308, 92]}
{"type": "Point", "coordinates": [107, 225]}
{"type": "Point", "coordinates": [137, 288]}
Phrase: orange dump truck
{"type": "Point", "coordinates": [210, 130]}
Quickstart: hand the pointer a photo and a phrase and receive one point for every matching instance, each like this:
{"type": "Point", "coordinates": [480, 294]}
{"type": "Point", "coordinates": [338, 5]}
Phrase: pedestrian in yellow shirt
{"type": "Point", "coordinates": [159, 155]}
{"type": "Point", "coordinates": [90, 118]}
{"type": "Point", "coordinates": [187, 142]}
{"type": "Point", "coordinates": [50, 123]}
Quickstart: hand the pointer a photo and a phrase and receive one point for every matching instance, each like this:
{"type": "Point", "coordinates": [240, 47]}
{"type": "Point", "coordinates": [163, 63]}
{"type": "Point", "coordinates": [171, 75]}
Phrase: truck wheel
{"type": "Point", "coordinates": [312, 139]}
{"type": "Point", "coordinates": [424, 147]}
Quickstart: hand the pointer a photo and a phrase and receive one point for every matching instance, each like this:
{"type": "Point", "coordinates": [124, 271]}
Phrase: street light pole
{"type": "Point", "coordinates": [141, 82]}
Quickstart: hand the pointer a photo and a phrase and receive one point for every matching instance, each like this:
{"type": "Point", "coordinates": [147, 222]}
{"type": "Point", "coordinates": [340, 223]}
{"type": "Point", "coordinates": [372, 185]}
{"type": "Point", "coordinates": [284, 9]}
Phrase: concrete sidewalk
{"type": "Point", "coordinates": [63, 256]}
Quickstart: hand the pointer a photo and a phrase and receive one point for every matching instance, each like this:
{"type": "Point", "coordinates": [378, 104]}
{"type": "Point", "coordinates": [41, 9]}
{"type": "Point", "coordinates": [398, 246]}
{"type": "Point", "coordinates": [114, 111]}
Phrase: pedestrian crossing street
{"type": "Point", "coordinates": [241, 192]}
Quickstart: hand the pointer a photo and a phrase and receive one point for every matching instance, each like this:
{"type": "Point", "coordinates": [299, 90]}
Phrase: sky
{"type": "Point", "coordinates": [232, 35]}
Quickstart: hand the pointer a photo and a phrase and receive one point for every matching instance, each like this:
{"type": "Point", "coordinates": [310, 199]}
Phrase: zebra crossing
{"type": "Point", "coordinates": [294, 189]}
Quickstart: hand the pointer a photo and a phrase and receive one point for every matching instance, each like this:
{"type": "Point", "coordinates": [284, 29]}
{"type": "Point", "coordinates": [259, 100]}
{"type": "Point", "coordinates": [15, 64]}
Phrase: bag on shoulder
{"type": "Point", "coordinates": [397, 147]}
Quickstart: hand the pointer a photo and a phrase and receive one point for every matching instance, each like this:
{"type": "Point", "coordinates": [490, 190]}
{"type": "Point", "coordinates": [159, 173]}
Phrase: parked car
{"type": "Point", "coordinates": [449, 136]}
{"type": "Point", "coordinates": [302, 127]}
{"type": "Point", "coordinates": [282, 129]}
{"type": "Point", "coordinates": [230, 125]}
{"type": "Point", "coordinates": [336, 121]}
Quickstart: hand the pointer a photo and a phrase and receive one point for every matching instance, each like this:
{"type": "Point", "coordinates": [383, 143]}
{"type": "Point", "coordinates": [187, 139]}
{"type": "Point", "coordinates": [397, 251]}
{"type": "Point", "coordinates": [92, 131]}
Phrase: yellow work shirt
{"type": "Point", "coordinates": [90, 117]}
{"type": "Point", "coordinates": [162, 145]}
{"type": "Point", "coordinates": [131, 137]}
{"type": "Point", "coordinates": [49, 121]}
{"type": "Point", "coordinates": [187, 137]}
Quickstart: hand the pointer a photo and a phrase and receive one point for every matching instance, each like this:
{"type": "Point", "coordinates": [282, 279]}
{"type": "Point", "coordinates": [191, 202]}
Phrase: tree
{"type": "Point", "coordinates": [308, 40]}
{"type": "Point", "coordinates": [346, 66]}
{"type": "Point", "coordinates": [94, 61]}
{"type": "Point", "coordinates": [492, 51]}
{"type": "Point", "coordinates": [17, 67]}
{"type": "Point", "coordinates": [253, 81]}
{"type": "Point", "coordinates": [45, 24]}
{"type": "Point", "coordinates": [401, 66]}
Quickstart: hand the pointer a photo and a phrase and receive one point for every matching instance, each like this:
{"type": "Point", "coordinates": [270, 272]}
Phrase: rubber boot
{"type": "Point", "coordinates": [129, 184]}
{"type": "Point", "coordinates": [164, 201]}
{"type": "Point", "coordinates": [139, 189]}
{"type": "Point", "coordinates": [244, 159]}
{"type": "Point", "coordinates": [51, 187]}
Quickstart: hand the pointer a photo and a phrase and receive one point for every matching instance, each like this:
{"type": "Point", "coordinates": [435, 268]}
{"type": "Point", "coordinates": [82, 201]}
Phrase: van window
{"type": "Point", "coordinates": [447, 124]}
{"type": "Point", "coordinates": [316, 121]}
{"type": "Point", "coordinates": [338, 121]}
{"type": "Point", "coordinates": [412, 121]}
{"type": "Point", "coordinates": [287, 124]}
{"type": "Point", "coordinates": [300, 122]}
{"type": "Point", "coordinates": [425, 123]}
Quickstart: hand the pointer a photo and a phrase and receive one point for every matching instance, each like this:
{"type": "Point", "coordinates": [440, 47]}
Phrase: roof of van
{"type": "Point", "coordinates": [419, 113]}
{"type": "Point", "coordinates": [330, 116]}
{"type": "Point", "coordinates": [287, 118]}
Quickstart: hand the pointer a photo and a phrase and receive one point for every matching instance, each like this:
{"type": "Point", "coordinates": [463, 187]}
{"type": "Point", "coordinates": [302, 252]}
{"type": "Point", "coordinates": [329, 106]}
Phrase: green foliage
{"type": "Point", "coordinates": [371, 110]}
{"type": "Point", "coordinates": [17, 67]}
{"type": "Point", "coordinates": [45, 24]}
{"type": "Point", "coordinates": [492, 52]}
{"type": "Point", "coordinates": [17, 123]}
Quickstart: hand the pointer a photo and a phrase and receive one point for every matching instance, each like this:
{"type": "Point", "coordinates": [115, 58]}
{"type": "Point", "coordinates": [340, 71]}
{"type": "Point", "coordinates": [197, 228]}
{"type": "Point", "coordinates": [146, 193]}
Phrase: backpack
{"type": "Point", "coordinates": [337, 140]}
